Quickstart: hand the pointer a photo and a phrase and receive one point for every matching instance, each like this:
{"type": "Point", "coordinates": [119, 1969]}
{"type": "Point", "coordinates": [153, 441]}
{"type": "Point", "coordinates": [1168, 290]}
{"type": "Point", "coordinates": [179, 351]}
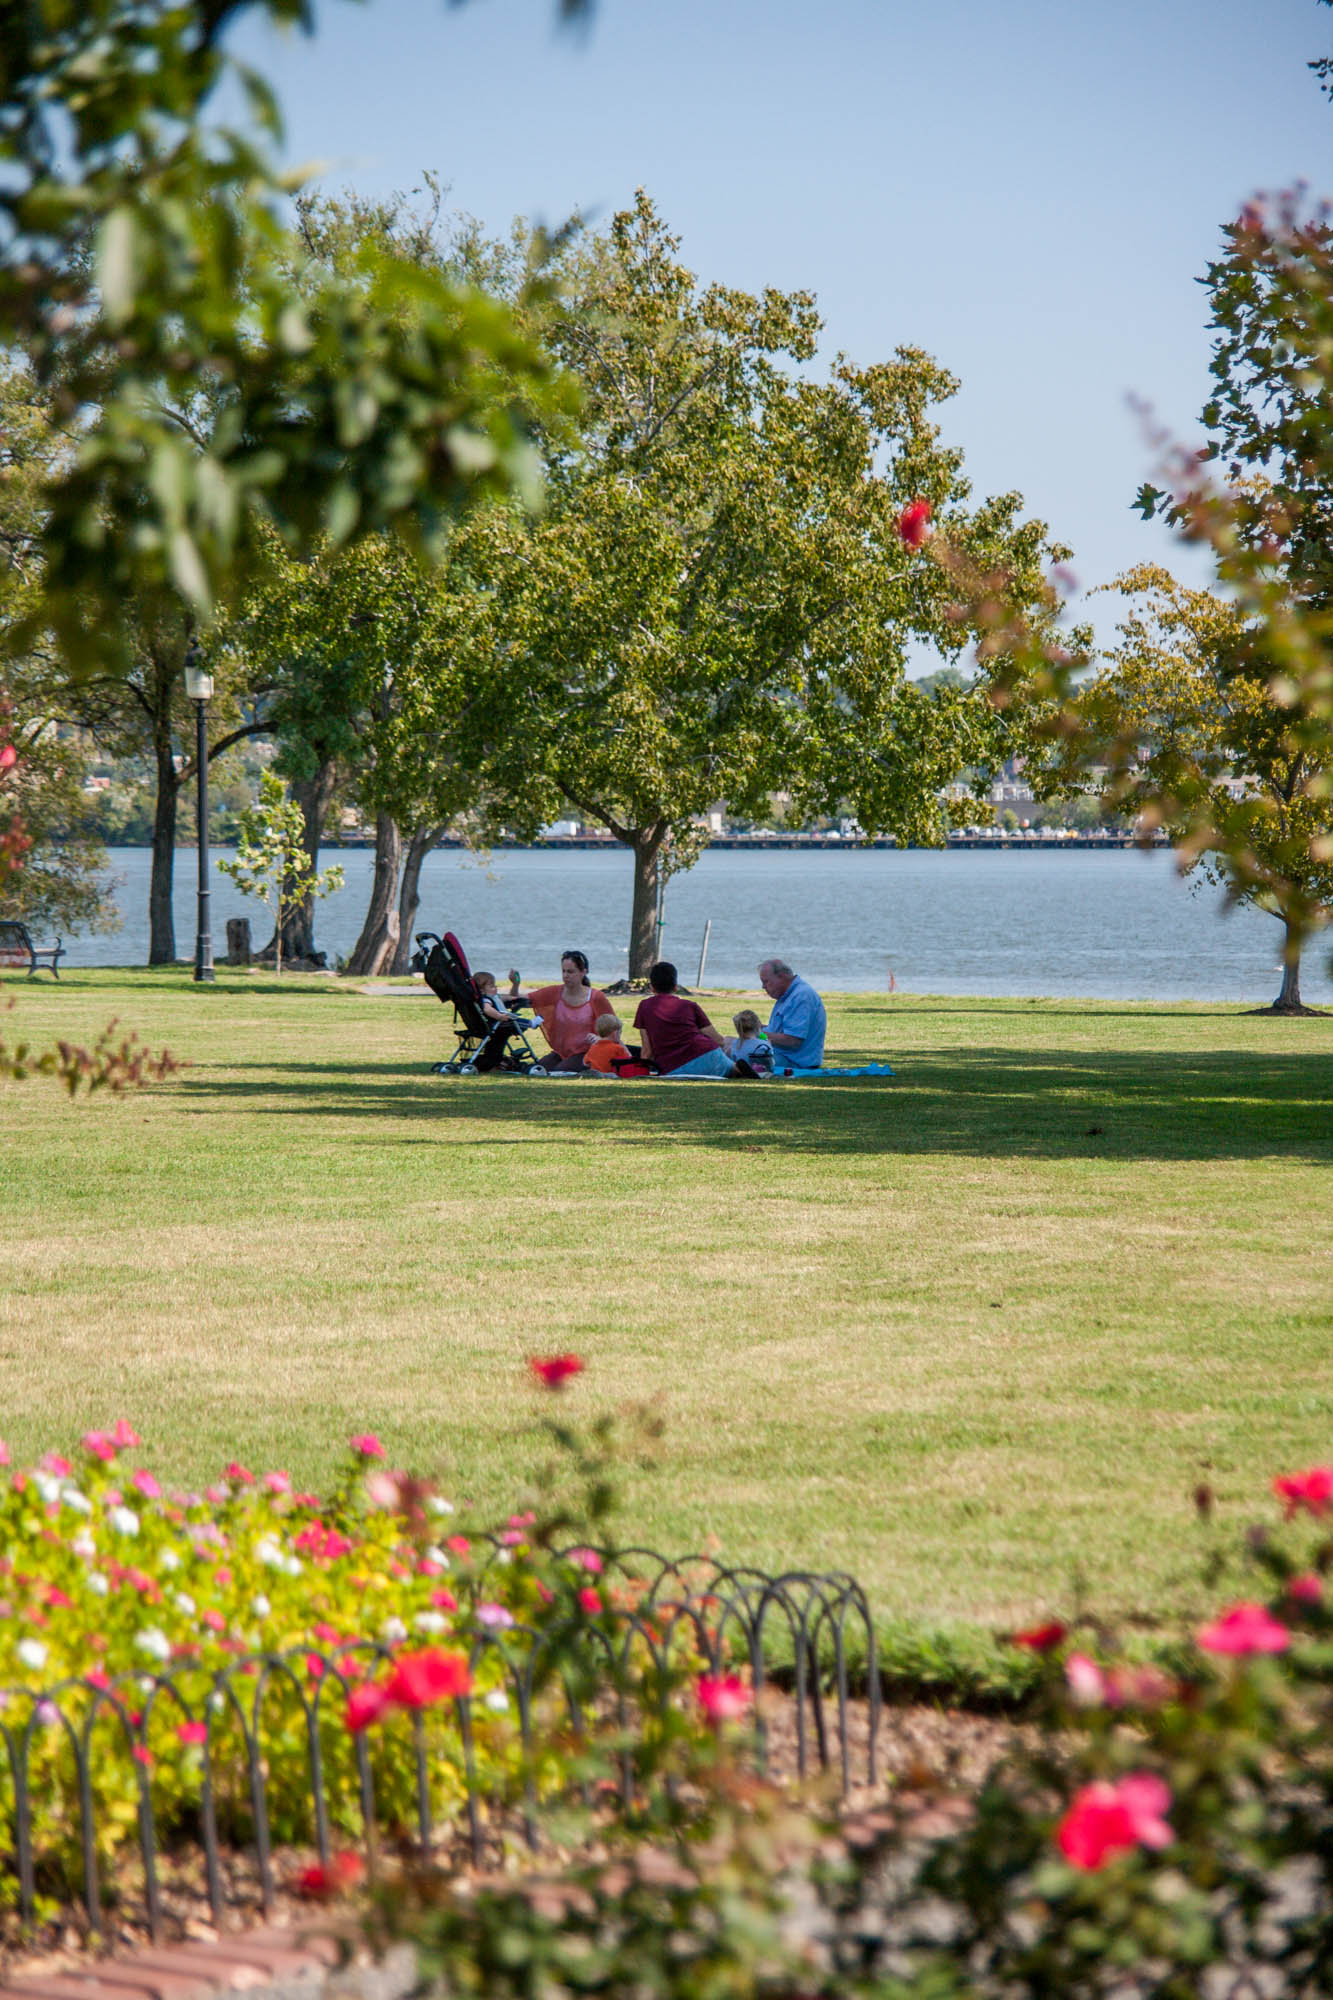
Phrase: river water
{"type": "Point", "coordinates": [1102, 923]}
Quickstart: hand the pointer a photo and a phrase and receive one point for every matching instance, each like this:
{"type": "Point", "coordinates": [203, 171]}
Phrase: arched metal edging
{"type": "Point", "coordinates": [627, 1653]}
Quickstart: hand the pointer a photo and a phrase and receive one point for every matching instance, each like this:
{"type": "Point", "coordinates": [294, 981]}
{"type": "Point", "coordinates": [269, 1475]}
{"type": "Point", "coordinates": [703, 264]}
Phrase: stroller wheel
{"type": "Point", "coordinates": [467, 1069]}
{"type": "Point", "coordinates": [538, 1069]}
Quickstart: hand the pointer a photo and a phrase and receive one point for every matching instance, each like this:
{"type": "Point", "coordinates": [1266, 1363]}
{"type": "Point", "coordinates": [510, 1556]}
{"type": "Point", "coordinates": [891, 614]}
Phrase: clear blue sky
{"type": "Point", "coordinates": [1027, 190]}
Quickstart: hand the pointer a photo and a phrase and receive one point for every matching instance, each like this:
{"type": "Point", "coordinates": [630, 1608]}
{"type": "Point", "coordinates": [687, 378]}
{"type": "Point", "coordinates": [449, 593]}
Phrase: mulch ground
{"type": "Point", "coordinates": [926, 1758]}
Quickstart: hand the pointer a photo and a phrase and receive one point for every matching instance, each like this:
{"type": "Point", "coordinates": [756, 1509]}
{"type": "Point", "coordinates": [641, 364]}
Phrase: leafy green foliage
{"type": "Point", "coordinates": [148, 273]}
{"type": "Point", "coordinates": [1195, 742]}
{"type": "Point", "coordinates": [271, 859]}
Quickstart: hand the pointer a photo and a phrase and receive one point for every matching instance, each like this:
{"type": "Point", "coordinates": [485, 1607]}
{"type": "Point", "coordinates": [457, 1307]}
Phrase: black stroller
{"type": "Point", "coordinates": [482, 1047]}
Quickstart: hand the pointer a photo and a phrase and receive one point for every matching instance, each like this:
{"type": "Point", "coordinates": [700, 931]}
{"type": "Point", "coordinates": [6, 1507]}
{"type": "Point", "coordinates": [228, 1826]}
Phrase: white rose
{"type": "Point", "coordinates": [78, 1501]}
{"type": "Point", "coordinates": [430, 1621]}
{"type": "Point", "coordinates": [98, 1584]}
{"type": "Point", "coordinates": [268, 1552]}
{"type": "Point", "coordinates": [32, 1653]}
{"type": "Point", "coordinates": [84, 1546]}
{"type": "Point", "coordinates": [438, 1506]}
{"type": "Point", "coordinates": [392, 1630]}
{"type": "Point", "coordinates": [185, 1603]}
{"type": "Point", "coordinates": [169, 1559]}
{"type": "Point", "coordinates": [124, 1520]}
{"type": "Point", "coordinates": [259, 1605]}
{"type": "Point", "coordinates": [47, 1486]}
{"type": "Point", "coordinates": [293, 1565]}
{"type": "Point", "coordinates": [156, 1644]}
{"type": "Point", "coordinates": [497, 1701]}
{"type": "Point", "coordinates": [437, 1556]}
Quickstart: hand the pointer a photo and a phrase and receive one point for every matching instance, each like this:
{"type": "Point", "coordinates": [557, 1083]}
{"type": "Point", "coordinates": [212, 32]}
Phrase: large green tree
{"type": "Point", "coordinates": [341, 634]}
{"type": "Point", "coordinates": [718, 600]}
{"type": "Point", "coordinates": [1198, 744]}
{"type": "Point", "coordinates": [134, 706]}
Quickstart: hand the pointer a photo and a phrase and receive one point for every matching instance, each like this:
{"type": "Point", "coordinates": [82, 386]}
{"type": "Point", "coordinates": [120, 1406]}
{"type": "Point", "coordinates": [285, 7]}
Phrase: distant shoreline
{"type": "Point", "coordinates": [777, 843]}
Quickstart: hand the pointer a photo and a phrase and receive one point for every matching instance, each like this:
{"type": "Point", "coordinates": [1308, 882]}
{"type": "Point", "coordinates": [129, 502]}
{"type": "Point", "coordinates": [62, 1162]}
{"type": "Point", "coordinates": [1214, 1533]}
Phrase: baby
{"type": "Point", "coordinates": [608, 1049]}
{"type": "Point", "coordinates": [748, 1043]}
{"type": "Point", "coordinates": [488, 992]}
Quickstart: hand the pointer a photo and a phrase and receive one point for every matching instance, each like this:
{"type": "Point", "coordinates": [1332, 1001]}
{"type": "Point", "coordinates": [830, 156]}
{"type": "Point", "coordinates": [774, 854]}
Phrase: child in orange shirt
{"type": "Point", "coordinates": [608, 1049]}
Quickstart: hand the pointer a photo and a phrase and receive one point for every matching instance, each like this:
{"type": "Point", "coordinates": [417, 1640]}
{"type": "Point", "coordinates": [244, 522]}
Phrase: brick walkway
{"type": "Point", "coordinates": [268, 1964]}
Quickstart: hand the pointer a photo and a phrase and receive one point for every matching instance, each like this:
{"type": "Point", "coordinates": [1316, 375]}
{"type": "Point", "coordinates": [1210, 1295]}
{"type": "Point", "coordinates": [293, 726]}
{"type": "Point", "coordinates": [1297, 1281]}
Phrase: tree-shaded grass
{"type": "Point", "coordinates": [973, 1333]}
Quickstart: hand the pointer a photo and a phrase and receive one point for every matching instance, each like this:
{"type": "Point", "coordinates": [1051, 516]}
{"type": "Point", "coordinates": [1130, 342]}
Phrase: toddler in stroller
{"type": "Point", "coordinates": [490, 1036]}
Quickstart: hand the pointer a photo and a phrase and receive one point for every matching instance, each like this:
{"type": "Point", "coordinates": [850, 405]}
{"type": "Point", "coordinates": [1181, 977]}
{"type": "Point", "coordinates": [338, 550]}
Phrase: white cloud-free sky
{"type": "Point", "coordinates": [1027, 190]}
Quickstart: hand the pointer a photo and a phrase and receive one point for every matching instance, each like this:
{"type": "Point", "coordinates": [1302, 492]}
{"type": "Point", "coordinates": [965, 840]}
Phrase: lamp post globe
{"type": "Point", "coordinates": [199, 688]}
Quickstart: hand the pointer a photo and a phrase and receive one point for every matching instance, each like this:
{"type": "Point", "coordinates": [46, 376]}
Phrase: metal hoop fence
{"type": "Point", "coordinates": [814, 1630]}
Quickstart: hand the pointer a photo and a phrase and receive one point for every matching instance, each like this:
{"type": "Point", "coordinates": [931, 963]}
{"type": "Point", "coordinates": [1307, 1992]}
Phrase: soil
{"type": "Point", "coordinates": [930, 1760]}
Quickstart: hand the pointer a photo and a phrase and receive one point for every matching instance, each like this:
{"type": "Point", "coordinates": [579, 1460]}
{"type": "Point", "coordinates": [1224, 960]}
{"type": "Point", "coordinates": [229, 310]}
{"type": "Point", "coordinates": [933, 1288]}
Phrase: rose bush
{"type": "Point", "coordinates": [1165, 1828]}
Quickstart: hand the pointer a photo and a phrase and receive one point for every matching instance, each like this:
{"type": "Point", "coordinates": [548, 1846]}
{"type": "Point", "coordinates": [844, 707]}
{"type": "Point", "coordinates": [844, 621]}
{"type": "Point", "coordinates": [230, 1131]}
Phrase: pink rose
{"type": "Point", "coordinates": [1109, 1819]}
{"type": "Point", "coordinates": [1312, 1490]}
{"type": "Point", "coordinates": [722, 1697]}
{"type": "Point", "coordinates": [1244, 1629]}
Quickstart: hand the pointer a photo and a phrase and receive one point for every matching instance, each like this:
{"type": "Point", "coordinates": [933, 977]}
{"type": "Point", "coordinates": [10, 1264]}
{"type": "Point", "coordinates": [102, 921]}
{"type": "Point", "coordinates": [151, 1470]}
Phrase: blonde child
{"type": "Point", "coordinates": [608, 1049]}
{"type": "Point", "coordinates": [488, 992]}
{"type": "Point", "coordinates": [748, 1043]}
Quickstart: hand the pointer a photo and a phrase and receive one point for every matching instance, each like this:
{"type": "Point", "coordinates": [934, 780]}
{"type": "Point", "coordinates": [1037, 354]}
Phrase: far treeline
{"type": "Point", "coordinates": [487, 531]}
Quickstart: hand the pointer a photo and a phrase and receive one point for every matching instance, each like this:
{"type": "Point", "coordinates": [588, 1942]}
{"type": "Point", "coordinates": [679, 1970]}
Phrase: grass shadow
{"type": "Point", "coordinates": [967, 1102]}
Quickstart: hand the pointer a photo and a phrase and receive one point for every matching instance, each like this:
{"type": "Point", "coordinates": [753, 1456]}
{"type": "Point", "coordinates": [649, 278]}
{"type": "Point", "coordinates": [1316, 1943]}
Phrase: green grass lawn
{"type": "Point", "coordinates": [974, 1333]}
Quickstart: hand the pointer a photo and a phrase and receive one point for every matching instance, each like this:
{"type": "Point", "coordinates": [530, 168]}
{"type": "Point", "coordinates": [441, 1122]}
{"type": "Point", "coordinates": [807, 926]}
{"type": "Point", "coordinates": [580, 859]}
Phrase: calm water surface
{"type": "Point", "coordinates": [1106, 924]}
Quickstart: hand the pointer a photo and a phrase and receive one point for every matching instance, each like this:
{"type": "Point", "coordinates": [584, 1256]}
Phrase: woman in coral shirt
{"type": "Point", "coordinates": [569, 1012]}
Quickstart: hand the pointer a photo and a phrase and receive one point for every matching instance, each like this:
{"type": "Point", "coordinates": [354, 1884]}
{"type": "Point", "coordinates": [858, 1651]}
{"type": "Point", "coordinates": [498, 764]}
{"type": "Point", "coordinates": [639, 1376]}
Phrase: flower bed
{"type": "Point", "coordinates": [169, 1650]}
{"type": "Point", "coordinates": [1158, 1830]}
{"type": "Point", "coordinates": [251, 1668]}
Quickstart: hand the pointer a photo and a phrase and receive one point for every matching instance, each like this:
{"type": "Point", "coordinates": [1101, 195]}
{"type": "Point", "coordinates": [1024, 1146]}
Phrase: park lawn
{"type": "Point", "coordinates": [975, 1334]}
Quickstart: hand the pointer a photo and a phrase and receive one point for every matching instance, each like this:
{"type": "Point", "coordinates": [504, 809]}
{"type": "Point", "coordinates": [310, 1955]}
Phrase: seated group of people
{"type": "Point", "coordinates": [585, 1033]}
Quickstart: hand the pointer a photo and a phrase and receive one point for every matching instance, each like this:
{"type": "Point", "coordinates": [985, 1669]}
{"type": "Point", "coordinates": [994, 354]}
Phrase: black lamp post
{"type": "Point", "coordinates": [199, 688]}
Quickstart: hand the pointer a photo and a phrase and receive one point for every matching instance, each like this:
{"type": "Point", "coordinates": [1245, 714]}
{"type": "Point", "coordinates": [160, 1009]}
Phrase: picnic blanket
{"type": "Point", "coordinates": [782, 1076]}
{"type": "Point", "coordinates": [814, 1075]}
{"type": "Point", "coordinates": [785, 1076]}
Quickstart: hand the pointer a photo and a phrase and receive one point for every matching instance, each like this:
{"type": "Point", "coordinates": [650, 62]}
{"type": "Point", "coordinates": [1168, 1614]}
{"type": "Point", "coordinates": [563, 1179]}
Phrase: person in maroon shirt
{"type": "Point", "coordinates": [677, 1034]}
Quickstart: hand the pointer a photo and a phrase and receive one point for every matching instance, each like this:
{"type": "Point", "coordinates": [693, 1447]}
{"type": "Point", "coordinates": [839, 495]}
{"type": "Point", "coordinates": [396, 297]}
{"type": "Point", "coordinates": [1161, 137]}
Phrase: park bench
{"type": "Point", "coordinates": [17, 948]}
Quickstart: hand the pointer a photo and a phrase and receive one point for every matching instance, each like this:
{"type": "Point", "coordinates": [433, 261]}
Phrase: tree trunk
{"type": "Point", "coordinates": [409, 896]}
{"type": "Point", "coordinates": [161, 917]}
{"type": "Point", "coordinates": [379, 933]}
{"type": "Point", "coordinates": [645, 843]}
{"type": "Point", "coordinates": [1289, 998]}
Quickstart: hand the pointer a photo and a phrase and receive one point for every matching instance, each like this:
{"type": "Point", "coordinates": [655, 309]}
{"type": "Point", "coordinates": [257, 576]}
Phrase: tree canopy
{"type": "Point", "coordinates": [717, 600]}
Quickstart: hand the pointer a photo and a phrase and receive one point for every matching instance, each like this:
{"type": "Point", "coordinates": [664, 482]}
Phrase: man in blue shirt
{"type": "Point", "coordinates": [797, 1024]}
